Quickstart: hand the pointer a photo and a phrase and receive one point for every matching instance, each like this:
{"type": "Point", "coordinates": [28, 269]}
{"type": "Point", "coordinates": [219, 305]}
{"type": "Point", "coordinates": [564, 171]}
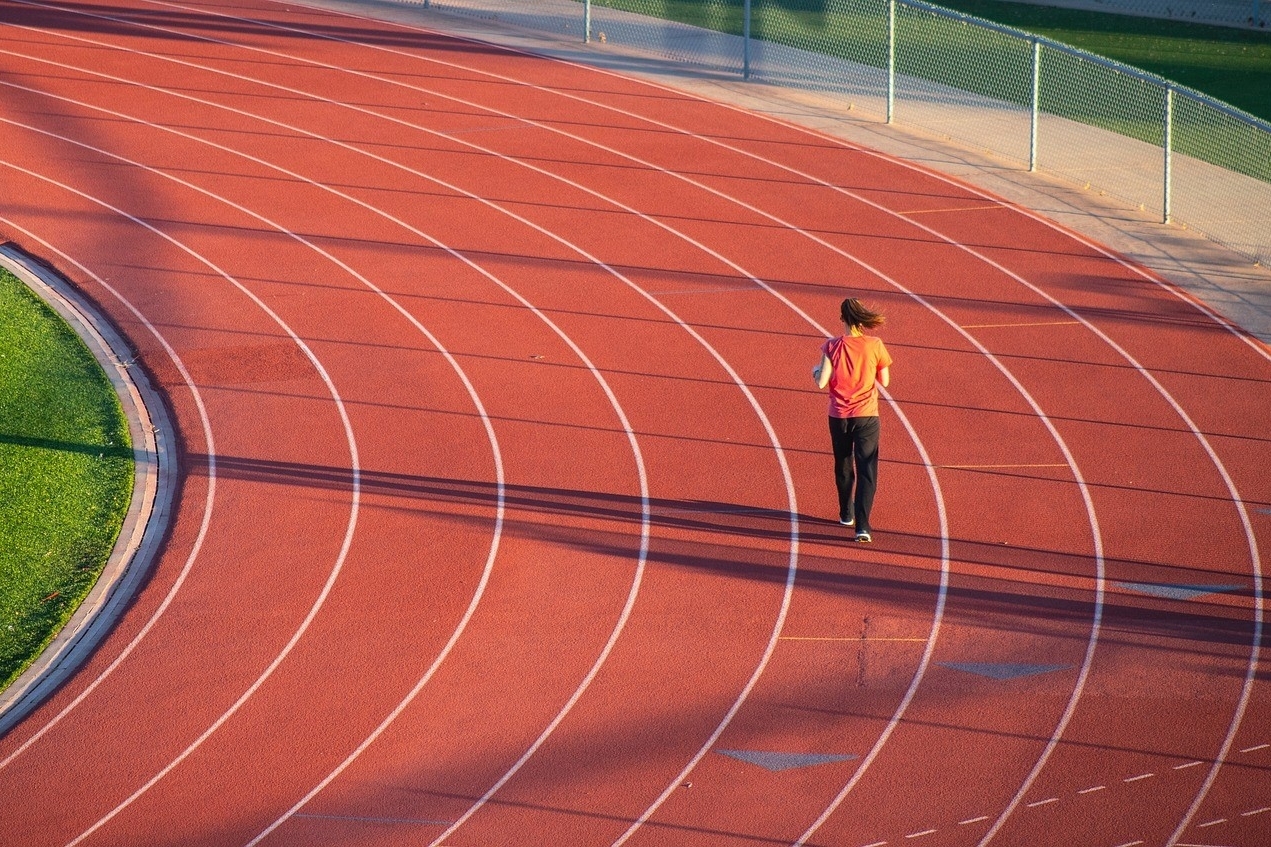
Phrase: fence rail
{"type": "Point", "coordinates": [1172, 152]}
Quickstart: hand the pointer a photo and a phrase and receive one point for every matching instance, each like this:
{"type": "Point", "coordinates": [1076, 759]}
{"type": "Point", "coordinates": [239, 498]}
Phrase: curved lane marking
{"type": "Point", "coordinates": [1237, 500]}
{"type": "Point", "coordinates": [612, 397]}
{"type": "Point", "coordinates": [1041, 415]}
{"type": "Point", "coordinates": [736, 378]}
{"type": "Point", "coordinates": [355, 470]}
{"type": "Point", "coordinates": [892, 213]}
{"type": "Point", "coordinates": [497, 532]}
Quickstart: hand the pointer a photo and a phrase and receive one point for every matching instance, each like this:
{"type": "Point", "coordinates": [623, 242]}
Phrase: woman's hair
{"type": "Point", "coordinates": [854, 314]}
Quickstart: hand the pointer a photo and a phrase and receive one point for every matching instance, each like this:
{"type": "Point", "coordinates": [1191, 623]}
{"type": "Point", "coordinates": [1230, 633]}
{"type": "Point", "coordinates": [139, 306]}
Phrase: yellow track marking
{"type": "Point", "coordinates": [1040, 323]}
{"type": "Point", "coordinates": [955, 209]}
{"type": "Point", "coordinates": [995, 467]}
{"type": "Point", "coordinates": [842, 638]}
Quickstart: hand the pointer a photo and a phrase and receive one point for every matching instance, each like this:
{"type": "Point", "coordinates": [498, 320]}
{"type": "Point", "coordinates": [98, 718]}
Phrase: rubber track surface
{"type": "Point", "coordinates": [506, 509]}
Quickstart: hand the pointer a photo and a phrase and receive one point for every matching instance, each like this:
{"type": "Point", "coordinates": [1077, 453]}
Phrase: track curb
{"type": "Point", "coordinates": [150, 508]}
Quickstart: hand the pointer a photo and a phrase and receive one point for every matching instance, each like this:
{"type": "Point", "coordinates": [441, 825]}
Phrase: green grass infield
{"type": "Point", "coordinates": [66, 474]}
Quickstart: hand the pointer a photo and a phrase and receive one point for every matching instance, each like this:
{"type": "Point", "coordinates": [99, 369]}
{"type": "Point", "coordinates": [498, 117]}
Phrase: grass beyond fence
{"type": "Point", "coordinates": [1228, 64]}
{"type": "Point", "coordinates": [66, 472]}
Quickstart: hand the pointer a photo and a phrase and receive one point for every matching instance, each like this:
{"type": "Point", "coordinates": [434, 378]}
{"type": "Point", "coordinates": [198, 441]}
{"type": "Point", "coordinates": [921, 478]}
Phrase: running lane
{"type": "Point", "coordinates": [532, 393]}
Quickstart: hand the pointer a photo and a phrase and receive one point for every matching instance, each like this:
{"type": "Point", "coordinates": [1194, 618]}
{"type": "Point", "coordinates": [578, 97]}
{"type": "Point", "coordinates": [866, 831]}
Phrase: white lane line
{"type": "Point", "coordinates": [1237, 500]}
{"type": "Point", "coordinates": [632, 595]}
{"type": "Point", "coordinates": [1141, 777]}
{"type": "Point", "coordinates": [900, 414]}
{"type": "Point", "coordinates": [748, 207]}
{"type": "Point", "coordinates": [642, 556]}
{"type": "Point", "coordinates": [793, 508]}
{"type": "Point", "coordinates": [969, 821]}
{"type": "Point", "coordinates": [922, 834]}
{"type": "Point", "coordinates": [209, 498]}
{"type": "Point", "coordinates": [1045, 802]}
{"type": "Point", "coordinates": [355, 475]}
{"type": "Point", "coordinates": [1255, 747]}
{"type": "Point", "coordinates": [1256, 640]}
{"type": "Point", "coordinates": [1214, 822]}
{"type": "Point", "coordinates": [1187, 765]}
{"type": "Point", "coordinates": [1019, 387]}
{"type": "Point", "coordinates": [1093, 789]}
{"type": "Point", "coordinates": [500, 478]}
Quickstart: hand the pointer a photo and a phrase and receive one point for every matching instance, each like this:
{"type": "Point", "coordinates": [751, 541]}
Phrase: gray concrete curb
{"type": "Point", "coordinates": [149, 512]}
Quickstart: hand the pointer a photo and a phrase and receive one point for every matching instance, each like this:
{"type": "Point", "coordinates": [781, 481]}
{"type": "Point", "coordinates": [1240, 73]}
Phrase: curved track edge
{"type": "Point", "coordinates": [150, 506]}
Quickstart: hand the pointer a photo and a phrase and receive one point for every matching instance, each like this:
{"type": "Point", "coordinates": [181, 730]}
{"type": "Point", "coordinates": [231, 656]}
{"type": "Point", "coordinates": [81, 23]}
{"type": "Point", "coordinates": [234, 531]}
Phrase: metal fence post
{"type": "Point", "coordinates": [586, 21]}
{"type": "Point", "coordinates": [745, 40]}
{"type": "Point", "coordinates": [1169, 144]}
{"type": "Point", "coordinates": [1032, 127]}
{"type": "Point", "coordinates": [891, 59]}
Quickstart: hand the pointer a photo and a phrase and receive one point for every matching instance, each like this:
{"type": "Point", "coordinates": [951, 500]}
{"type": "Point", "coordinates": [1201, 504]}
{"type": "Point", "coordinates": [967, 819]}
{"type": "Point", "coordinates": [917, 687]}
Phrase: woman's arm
{"type": "Point", "coordinates": [884, 376]}
{"type": "Point", "coordinates": [821, 373]}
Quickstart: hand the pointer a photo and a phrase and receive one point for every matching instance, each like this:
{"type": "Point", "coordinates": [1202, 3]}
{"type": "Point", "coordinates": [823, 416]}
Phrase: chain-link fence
{"type": "Point", "coordinates": [1048, 107]}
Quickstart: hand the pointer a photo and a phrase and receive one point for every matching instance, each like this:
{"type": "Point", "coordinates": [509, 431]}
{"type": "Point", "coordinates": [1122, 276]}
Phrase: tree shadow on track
{"type": "Point", "coordinates": [159, 22]}
{"type": "Point", "coordinates": [901, 570]}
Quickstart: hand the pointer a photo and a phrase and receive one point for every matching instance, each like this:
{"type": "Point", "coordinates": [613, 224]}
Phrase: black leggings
{"type": "Point", "coordinates": [855, 463]}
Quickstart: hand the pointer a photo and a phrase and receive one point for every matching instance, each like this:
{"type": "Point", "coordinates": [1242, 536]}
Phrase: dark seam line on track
{"type": "Point", "coordinates": [354, 492]}
{"type": "Point", "coordinates": [1054, 434]}
{"type": "Point", "coordinates": [599, 662]}
{"type": "Point", "coordinates": [1257, 574]}
{"type": "Point", "coordinates": [790, 580]}
{"type": "Point", "coordinates": [630, 598]}
{"type": "Point", "coordinates": [364, 819]}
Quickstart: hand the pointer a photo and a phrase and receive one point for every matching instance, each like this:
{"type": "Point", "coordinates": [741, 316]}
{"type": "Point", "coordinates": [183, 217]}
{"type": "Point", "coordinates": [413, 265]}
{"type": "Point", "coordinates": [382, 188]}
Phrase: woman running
{"type": "Point", "coordinates": [853, 366]}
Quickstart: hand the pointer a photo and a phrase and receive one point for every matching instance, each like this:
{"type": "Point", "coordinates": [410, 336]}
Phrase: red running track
{"type": "Point", "coordinates": [506, 510]}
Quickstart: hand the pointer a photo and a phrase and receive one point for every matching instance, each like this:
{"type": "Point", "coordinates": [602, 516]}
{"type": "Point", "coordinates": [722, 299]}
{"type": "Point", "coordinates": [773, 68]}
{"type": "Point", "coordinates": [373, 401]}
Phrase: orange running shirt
{"type": "Point", "coordinates": [857, 359]}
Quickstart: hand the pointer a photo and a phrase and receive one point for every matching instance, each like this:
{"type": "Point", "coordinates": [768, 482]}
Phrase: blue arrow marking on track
{"type": "Point", "coordinates": [1003, 670]}
{"type": "Point", "coordinates": [1176, 592]}
{"type": "Point", "coordinates": [785, 761]}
